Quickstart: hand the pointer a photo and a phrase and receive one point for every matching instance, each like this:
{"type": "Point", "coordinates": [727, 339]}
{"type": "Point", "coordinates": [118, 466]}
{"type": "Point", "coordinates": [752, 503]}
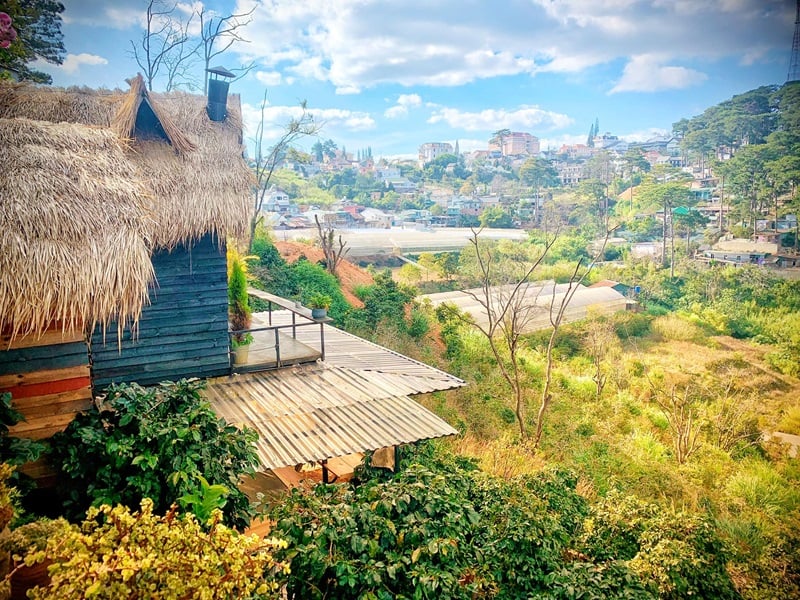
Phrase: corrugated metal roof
{"type": "Point", "coordinates": [537, 299]}
{"type": "Point", "coordinates": [343, 349]}
{"type": "Point", "coordinates": [313, 412]}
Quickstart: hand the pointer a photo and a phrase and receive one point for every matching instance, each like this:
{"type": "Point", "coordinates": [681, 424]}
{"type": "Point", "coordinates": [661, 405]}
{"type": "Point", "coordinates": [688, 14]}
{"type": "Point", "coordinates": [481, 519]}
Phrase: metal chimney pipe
{"type": "Point", "coordinates": [217, 107]}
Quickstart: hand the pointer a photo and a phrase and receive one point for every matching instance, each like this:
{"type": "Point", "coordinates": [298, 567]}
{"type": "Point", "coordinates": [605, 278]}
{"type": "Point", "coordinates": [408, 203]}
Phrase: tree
{"type": "Point", "coordinates": [499, 137]}
{"type": "Point", "coordinates": [214, 29]}
{"type": "Point", "coordinates": [37, 24]}
{"type": "Point", "coordinates": [679, 407]}
{"type": "Point", "coordinates": [267, 159]}
{"type": "Point", "coordinates": [600, 341]}
{"type": "Point", "coordinates": [538, 173]}
{"type": "Point", "coordinates": [327, 241]}
{"type": "Point", "coordinates": [666, 195]}
{"type": "Point", "coordinates": [494, 216]}
{"type": "Point", "coordinates": [687, 222]}
{"type": "Point", "coordinates": [556, 313]}
{"type": "Point", "coordinates": [506, 298]}
{"type": "Point", "coordinates": [163, 43]}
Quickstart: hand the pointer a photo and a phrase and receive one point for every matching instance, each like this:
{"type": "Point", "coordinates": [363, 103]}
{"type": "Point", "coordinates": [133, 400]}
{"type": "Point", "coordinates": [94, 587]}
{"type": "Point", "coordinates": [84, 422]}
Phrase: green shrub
{"type": "Point", "coordinates": [452, 533]}
{"type": "Point", "coordinates": [157, 442]}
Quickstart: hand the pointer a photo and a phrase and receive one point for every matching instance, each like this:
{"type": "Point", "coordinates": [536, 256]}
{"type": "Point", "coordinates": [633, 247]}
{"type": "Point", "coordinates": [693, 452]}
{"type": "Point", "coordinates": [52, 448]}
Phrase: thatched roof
{"type": "Point", "coordinates": [86, 196]}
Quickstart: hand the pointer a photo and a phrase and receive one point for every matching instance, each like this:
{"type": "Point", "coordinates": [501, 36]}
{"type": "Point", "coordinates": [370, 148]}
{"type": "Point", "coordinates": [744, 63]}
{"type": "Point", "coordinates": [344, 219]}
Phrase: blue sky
{"type": "Point", "coordinates": [393, 74]}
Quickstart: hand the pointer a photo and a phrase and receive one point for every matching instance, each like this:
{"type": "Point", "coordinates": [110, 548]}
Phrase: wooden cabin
{"type": "Point", "coordinates": [115, 211]}
{"type": "Point", "coordinates": [115, 208]}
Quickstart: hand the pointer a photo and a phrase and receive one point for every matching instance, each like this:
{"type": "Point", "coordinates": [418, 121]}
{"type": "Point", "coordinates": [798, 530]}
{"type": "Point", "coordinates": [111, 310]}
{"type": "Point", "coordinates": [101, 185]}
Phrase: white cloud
{"type": "Point", "coordinates": [404, 102]}
{"type": "Point", "coordinates": [269, 78]}
{"type": "Point", "coordinates": [122, 14]}
{"type": "Point", "coordinates": [646, 74]}
{"type": "Point", "coordinates": [72, 63]}
{"type": "Point", "coordinates": [276, 117]}
{"type": "Point", "coordinates": [644, 135]}
{"type": "Point", "coordinates": [526, 118]}
{"type": "Point", "coordinates": [357, 44]}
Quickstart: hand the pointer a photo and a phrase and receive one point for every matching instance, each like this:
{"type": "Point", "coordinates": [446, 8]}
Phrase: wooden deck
{"type": "Point", "coordinates": [276, 344]}
{"type": "Point", "coordinates": [268, 353]}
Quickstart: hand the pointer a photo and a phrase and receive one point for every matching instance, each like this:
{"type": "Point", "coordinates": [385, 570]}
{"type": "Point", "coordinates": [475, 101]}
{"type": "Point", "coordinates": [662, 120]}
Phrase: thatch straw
{"type": "Point", "coordinates": [82, 208]}
{"type": "Point", "coordinates": [74, 242]}
{"type": "Point", "coordinates": [124, 122]}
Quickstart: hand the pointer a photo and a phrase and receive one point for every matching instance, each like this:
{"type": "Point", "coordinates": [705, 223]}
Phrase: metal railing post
{"type": "Point", "coordinates": [277, 349]}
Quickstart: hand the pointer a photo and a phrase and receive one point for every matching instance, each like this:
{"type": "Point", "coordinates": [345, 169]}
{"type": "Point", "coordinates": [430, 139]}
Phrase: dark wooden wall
{"type": "Point", "coordinates": [182, 333]}
{"type": "Point", "coordinates": [48, 378]}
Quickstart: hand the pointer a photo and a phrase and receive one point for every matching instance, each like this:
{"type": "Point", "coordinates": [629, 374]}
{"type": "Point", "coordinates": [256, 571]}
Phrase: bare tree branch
{"type": "Point", "coordinates": [327, 241]}
{"type": "Point", "coordinates": [575, 281]}
{"type": "Point", "coordinates": [214, 29]}
{"type": "Point", "coordinates": [164, 38]}
{"type": "Point", "coordinates": [267, 160]}
{"type": "Point", "coordinates": [509, 309]}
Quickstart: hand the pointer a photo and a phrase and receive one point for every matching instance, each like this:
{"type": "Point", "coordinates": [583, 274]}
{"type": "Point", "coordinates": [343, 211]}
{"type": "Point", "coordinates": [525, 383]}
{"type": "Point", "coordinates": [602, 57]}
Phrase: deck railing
{"type": "Point", "coordinates": [269, 354]}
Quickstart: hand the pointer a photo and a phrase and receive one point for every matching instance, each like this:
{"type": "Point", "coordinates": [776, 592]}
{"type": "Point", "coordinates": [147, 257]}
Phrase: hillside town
{"type": "Point", "coordinates": [511, 182]}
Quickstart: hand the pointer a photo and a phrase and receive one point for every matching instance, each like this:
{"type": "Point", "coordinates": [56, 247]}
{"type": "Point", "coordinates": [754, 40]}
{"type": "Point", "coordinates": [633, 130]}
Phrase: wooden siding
{"type": "Point", "coordinates": [184, 330]}
{"type": "Point", "coordinates": [48, 378]}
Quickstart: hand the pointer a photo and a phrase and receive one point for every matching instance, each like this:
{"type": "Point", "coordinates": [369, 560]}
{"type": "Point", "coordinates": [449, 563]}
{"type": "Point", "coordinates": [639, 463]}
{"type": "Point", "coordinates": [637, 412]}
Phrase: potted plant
{"type": "Point", "coordinates": [239, 312]}
{"type": "Point", "coordinates": [319, 304]}
{"type": "Point", "coordinates": [26, 545]}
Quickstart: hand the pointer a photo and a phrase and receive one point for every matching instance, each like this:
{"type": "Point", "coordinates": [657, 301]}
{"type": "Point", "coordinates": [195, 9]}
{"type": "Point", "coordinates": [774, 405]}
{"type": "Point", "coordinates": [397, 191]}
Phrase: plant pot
{"type": "Point", "coordinates": [319, 313]}
{"type": "Point", "coordinates": [25, 578]}
{"type": "Point", "coordinates": [240, 354]}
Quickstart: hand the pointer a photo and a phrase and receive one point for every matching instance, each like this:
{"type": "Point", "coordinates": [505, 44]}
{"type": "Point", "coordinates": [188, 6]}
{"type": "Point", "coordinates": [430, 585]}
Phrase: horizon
{"type": "Point", "coordinates": [392, 76]}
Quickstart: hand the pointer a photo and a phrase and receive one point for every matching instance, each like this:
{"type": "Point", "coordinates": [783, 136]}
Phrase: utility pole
{"type": "Point", "coordinates": [794, 63]}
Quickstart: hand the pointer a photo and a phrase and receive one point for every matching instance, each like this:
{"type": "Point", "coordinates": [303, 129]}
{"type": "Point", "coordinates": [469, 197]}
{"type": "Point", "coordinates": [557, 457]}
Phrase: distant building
{"type": "Point", "coordinates": [609, 142]}
{"type": "Point", "coordinates": [515, 144]}
{"type": "Point", "coordinates": [432, 150]}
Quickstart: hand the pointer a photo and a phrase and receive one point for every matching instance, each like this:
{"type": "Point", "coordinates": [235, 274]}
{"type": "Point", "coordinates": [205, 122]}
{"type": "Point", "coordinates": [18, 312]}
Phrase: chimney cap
{"type": "Point", "coordinates": [221, 71]}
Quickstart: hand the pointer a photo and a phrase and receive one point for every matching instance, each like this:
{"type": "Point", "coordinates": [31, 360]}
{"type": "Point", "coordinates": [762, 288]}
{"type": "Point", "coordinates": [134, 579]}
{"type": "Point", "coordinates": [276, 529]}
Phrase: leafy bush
{"type": "Point", "coordinates": [631, 325]}
{"type": "Point", "coordinates": [156, 443]}
{"type": "Point", "coordinates": [122, 554]}
{"type": "Point", "coordinates": [681, 556]}
{"type": "Point", "coordinates": [677, 555]}
{"type": "Point", "coordinates": [16, 451]}
{"type": "Point", "coordinates": [443, 530]}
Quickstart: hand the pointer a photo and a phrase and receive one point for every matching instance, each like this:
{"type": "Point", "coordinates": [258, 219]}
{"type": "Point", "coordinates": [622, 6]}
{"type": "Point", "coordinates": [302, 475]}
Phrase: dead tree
{"type": "Point", "coordinates": [267, 159]}
{"type": "Point", "coordinates": [218, 34]}
{"type": "Point", "coordinates": [328, 243]}
{"type": "Point", "coordinates": [162, 45]}
{"type": "Point", "coordinates": [679, 408]}
{"type": "Point", "coordinates": [557, 312]}
{"type": "Point", "coordinates": [509, 309]}
{"type": "Point", "coordinates": [599, 340]}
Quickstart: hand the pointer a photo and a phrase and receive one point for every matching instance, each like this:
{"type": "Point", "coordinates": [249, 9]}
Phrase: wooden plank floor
{"type": "Point", "coordinates": [262, 353]}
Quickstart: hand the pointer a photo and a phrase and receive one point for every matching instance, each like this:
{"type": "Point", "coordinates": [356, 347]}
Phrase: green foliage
{"type": "Point", "coordinates": [319, 300]}
{"type": "Point", "coordinates": [385, 300]}
{"type": "Point", "coordinates": [203, 502]}
{"type": "Point", "coordinates": [16, 451]}
{"type": "Point", "coordinates": [118, 553]}
{"type": "Point", "coordinates": [678, 555]}
{"type": "Point", "coordinates": [157, 443]}
{"type": "Point", "coordinates": [238, 304]}
{"type": "Point", "coordinates": [440, 530]}
{"type": "Point", "coordinates": [33, 537]}
{"type": "Point", "coordinates": [495, 216]}
{"type": "Point", "coordinates": [38, 25]}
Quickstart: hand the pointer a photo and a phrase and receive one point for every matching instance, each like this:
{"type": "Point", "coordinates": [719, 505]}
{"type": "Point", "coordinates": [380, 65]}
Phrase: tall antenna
{"type": "Point", "coordinates": [794, 63]}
